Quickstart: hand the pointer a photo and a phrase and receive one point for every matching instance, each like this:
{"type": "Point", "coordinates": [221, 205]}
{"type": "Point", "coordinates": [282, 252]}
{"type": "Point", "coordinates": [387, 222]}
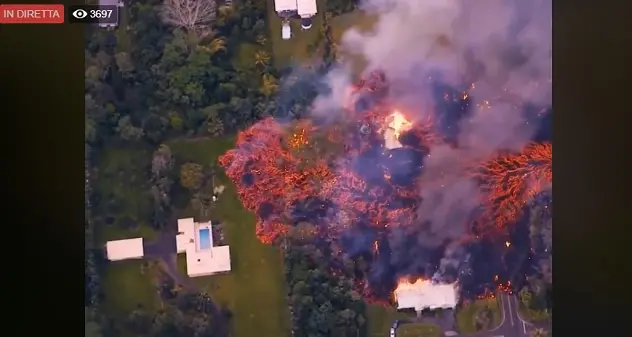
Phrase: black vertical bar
{"type": "Point", "coordinates": [42, 86]}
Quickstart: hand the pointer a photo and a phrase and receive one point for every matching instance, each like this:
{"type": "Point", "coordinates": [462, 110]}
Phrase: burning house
{"type": "Point", "coordinates": [367, 187]}
{"type": "Point", "coordinates": [424, 294]}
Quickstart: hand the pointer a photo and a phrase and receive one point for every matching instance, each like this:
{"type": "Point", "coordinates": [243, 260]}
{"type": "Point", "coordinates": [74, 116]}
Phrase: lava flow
{"type": "Point", "coordinates": [357, 183]}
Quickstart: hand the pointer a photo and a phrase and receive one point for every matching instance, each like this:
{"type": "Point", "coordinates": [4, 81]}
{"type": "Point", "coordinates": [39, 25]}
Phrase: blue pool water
{"type": "Point", "coordinates": [205, 238]}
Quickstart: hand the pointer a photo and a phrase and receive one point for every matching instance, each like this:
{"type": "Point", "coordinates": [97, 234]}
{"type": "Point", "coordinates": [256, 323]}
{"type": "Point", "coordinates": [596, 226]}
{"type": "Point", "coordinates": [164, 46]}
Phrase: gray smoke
{"type": "Point", "coordinates": [499, 49]}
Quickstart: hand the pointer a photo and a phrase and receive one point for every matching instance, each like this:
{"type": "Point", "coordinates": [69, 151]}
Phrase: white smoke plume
{"type": "Point", "coordinates": [500, 50]}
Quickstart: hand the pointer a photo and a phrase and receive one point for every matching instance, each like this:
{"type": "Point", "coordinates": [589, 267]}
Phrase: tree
{"type": "Point", "coordinates": [124, 64]}
{"type": "Point", "coordinates": [162, 161]}
{"type": "Point", "coordinates": [192, 15]}
{"type": "Point", "coordinates": [262, 40]}
{"type": "Point", "coordinates": [525, 297]}
{"type": "Point", "coordinates": [262, 58]}
{"type": "Point", "coordinates": [191, 176]}
{"type": "Point", "coordinates": [268, 85]}
{"type": "Point", "coordinates": [127, 130]}
{"type": "Point", "coordinates": [216, 45]}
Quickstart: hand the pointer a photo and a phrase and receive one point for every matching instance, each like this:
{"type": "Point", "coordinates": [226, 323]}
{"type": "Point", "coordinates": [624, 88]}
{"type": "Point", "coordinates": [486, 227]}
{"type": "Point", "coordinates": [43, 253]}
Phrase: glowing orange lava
{"type": "Point", "coordinates": [277, 166]}
{"type": "Point", "coordinates": [510, 180]}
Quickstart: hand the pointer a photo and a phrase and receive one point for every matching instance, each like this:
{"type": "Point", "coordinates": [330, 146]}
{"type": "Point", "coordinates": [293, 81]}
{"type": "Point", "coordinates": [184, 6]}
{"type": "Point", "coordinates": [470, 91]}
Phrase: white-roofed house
{"type": "Point", "coordinates": [424, 294]}
{"type": "Point", "coordinates": [284, 6]}
{"type": "Point", "coordinates": [125, 249]}
{"type": "Point", "coordinates": [194, 239]}
{"type": "Point", "coordinates": [306, 9]}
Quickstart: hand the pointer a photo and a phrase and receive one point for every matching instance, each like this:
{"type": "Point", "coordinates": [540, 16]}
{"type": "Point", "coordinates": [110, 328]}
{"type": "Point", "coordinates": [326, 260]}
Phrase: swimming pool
{"type": "Point", "coordinates": [205, 238]}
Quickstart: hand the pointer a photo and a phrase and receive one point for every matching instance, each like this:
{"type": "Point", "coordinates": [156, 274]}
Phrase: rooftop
{"type": "Point", "coordinates": [284, 5]}
{"type": "Point", "coordinates": [306, 8]}
{"type": "Point", "coordinates": [424, 294]}
{"type": "Point", "coordinates": [195, 239]}
{"type": "Point", "coordinates": [201, 260]}
{"type": "Point", "coordinates": [125, 249]}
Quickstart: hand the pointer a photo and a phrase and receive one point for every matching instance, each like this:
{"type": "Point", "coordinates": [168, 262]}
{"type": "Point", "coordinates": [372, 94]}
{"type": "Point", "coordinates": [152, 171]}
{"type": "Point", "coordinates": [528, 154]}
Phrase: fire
{"type": "Point", "coordinates": [399, 123]}
{"type": "Point", "coordinates": [277, 167]}
{"type": "Point", "coordinates": [404, 284]}
{"type": "Point", "coordinates": [507, 244]}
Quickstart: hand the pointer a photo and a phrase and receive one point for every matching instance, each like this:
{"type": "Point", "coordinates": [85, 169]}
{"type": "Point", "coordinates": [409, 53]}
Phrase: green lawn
{"type": "Point", "coordinates": [294, 49]}
{"type": "Point", "coordinates": [466, 316]}
{"type": "Point", "coordinates": [380, 319]}
{"type": "Point", "coordinates": [255, 288]}
{"type": "Point", "coordinates": [122, 184]}
{"type": "Point", "coordinates": [533, 315]}
{"type": "Point", "coordinates": [364, 22]}
{"type": "Point", "coordinates": [418, 330]}
{"type": "Point", "coordinates": [127, 285]}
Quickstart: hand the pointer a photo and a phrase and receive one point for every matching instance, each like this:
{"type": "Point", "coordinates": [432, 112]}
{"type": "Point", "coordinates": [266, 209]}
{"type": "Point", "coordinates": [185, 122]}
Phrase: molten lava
{"type": "Point", "coordinates": [350, 177]}
{"type": "Point", "coordinates": [510, 180]}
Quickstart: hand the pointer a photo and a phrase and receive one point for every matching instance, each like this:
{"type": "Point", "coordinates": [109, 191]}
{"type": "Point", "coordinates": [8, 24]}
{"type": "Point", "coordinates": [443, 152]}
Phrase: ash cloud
{"type": "Point", "coordinates": [499, 50]}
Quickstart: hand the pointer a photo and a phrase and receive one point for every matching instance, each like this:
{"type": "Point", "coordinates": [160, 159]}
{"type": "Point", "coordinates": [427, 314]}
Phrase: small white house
{"type": "Point", "coordinates": [306, 9]}
{"type": "Point", "coordinates": [286, 30]}
{"type": "Point", "coordinates": [194, 239]}
{"type": "Point", "coordinates": [125, 249]}
{"type": "Point", "coordinates": [287, 9]}
{"type": "Point", "coordinates": [424, 294]}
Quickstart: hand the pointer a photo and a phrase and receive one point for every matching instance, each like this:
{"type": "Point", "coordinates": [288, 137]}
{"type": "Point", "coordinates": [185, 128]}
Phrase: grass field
{"type": "Point", "coordinates": [466, 317]}
{"type": "Point", "coordinates": [295, 49]}
{"type": "Point", "coordinates": [122, 185]}
{"type": "Point", "coordinates": [255, 288]}
{"type": "Point", "coordinates": [364, 22]}
{"type": "Point", "coordinates": [418, 330]}
{"type": "Point", "coordinates": [380, 320]}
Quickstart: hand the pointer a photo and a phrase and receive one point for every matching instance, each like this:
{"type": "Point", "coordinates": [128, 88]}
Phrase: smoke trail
{"type": "Point", "coordinates": [500, 50]}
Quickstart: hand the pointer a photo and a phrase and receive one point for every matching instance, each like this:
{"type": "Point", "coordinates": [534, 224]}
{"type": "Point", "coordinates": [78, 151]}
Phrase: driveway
{"type": "Point", "coordinates": [511, 324]}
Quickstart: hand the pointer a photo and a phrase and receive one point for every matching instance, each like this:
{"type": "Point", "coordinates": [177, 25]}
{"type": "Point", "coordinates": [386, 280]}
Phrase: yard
{"type": "Point", "coordinates": [364, 22]}
{"type": "Point", "coordinates": [380, 320]}
{"type": "Point", "coordinates": [256, 281]}
{"type": "Point", "coordinates": [255, 289]}
{"type": "Point", "coordinates": [418, 330]}
{"type": "Point", "coordinates": [296, 49]}
{"type": "Point", "coordinates": [123, 209]}
{"type": "Point", "coordinates": [466, 316]}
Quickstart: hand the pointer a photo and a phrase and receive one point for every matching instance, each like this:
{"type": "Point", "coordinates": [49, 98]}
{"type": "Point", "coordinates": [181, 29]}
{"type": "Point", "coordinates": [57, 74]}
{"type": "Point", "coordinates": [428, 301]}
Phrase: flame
{"type": "Point", "coordinates": [267, 170]}
{"type": "Point", "coordinates": [376, 247]}
{"type": "Point", "coordinates": [507, 244]}
{"type": "Point", "coordinates": [399, 123]}
{"type": "Point", "coordinates": [298, 139]}
{"type": "Point", "coordinates": [404, 283]}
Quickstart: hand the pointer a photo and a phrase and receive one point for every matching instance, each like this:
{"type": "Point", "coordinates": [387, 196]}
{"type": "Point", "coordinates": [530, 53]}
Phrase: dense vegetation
{"type": "Point", "coordinates": [323, 304]}
{"type": "Point", "coordinates": [154, 80]}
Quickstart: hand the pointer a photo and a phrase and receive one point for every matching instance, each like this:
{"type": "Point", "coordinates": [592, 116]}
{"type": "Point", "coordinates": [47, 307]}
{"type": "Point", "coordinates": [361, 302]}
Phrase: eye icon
{"type": "Point", "coordinates": [79, 14]}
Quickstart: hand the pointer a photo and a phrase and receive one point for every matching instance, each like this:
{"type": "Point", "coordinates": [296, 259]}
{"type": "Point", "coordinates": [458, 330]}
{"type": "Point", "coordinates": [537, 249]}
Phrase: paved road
{"type": "Point", "coordinates": [511, 324]}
